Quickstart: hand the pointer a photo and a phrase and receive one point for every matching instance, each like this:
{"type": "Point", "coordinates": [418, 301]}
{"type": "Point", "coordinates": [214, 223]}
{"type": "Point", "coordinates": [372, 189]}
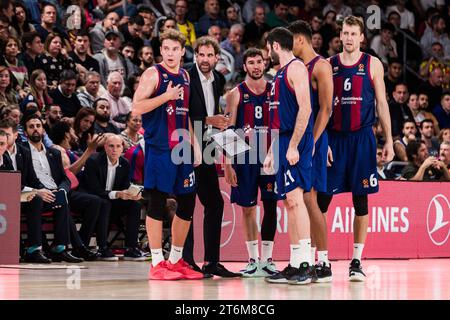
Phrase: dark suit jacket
{"type": "Point", "coordinates": [197, 104]}
{"type": "Point", "coordinates": [94, 175]}
{"type": "Point", "coordinates": [56, 168]}
{"type": "Point", "coordinates": [7, 163]}
{"type": "Point", "coordinates": [25, 166]}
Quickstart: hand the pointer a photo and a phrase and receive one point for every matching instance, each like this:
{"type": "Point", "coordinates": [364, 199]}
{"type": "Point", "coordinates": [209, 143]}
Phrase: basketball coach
{"type": "Point", "coordinates": [206, 88]}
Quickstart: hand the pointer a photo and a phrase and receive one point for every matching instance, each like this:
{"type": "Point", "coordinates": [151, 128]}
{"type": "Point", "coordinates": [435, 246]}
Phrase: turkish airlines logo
{"type": "Point", "coordinates": [228, 221]}
{"type": "Point", "coordinates": [438, 219]}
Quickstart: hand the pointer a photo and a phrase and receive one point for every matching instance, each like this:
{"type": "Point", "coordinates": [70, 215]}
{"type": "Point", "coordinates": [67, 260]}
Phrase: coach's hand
{"type": "Point", "coordinates": [292, 155]}
{"type": "Point", "coordinates": [218, 121]}
{"type": "Point", "coordinates": [329, 157]}
{"type": "Point", "coordinates": [268, 164]}
{"type": "Point", "coordinates": [230, 176]}
{"type": "Point", "coordinates": [174, 93]}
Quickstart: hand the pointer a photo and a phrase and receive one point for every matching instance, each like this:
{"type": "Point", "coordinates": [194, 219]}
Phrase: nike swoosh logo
{"type": "Point", "coordinates": [225, 223]}
{"type": "Point", "coordinates": [334, 190]}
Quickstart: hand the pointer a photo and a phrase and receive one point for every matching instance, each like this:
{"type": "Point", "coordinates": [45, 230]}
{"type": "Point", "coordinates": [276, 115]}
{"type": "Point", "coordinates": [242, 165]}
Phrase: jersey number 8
{"type": "Point", "coordinates": [258, 112]}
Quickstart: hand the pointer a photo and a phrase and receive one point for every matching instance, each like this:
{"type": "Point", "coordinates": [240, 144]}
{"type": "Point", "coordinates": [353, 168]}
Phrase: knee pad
{"type": "Point", "coordinates": [269, 223]}
{"type": "Point", "coordinates": [270, 208]}
{"type": "Point", "coordinates": [360, 203]}
{"type": "Point", "coordinates": [157, 204]}
{"type": "Point", "coordinates": [186, 206]}
{"type": "Point", "coordinates": [324, 200]}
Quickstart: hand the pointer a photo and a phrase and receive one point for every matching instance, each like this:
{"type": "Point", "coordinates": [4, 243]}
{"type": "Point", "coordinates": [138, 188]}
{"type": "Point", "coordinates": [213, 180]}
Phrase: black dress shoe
{"type": "Point", "coordinates": [195, 267]}
{"type": "Point", "coordinates": [65, 256]}
{"type": "Point", "coordinates": [215, 268]}
{"type": "Point", "coordinates": [85, 254]}
{"type": "Point", "coordinates": [36, 257]}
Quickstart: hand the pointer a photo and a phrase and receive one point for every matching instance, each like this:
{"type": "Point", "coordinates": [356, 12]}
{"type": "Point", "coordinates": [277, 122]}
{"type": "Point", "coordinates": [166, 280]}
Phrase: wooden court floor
{"type": "Point", "coordinates": [386, 280]}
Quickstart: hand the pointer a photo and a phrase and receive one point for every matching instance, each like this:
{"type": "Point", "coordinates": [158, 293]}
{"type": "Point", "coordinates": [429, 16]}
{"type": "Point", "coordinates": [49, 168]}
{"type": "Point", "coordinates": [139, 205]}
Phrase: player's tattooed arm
{"type": "Point", "coordinates": [299, 80]}
{"type": "Point", "coordinates": [232, 102]}
{"type": "Point", "coordinates": [377, 71]}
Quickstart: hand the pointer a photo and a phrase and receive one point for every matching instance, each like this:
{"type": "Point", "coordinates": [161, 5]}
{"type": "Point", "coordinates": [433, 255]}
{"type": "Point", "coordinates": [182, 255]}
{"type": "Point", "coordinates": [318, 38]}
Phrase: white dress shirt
{"type": "Point", "coordinates": [208, 91]}
{"type": "Point", "coordinates": [110, 178]}
{"type": "Point", "coordinates": [42, 167]}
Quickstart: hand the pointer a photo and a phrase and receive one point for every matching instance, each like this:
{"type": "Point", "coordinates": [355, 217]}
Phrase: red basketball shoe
{"type": "Point", "coordinates": [162, 272]}
{"type": "Point", "coordinates": [182, 267]}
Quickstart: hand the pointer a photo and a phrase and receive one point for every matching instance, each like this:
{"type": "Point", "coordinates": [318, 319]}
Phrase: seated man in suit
{"type": "Point", "coordinates": [94, 217]}
{"type": "Point", "coordinates": [52, 186]}
{"type": "Point", "coordinates": [107, 175]}
{"type": "Point", "coordinates": [5, 163]}
{"type": "Point", "coordinates": [21, 161]}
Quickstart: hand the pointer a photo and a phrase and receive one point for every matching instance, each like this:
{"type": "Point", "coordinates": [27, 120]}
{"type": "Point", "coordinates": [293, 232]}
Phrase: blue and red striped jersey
{"type": "Point", "coordinates": [253, 112]}
{"type": "Point", "coordinates": [354, 95]}
{"type": "Point", "coordinates": [162, 123]}
{"type": "Point", "coordinates": [314, 93]}
{"type": "Point", "coordinates": [283, 106]}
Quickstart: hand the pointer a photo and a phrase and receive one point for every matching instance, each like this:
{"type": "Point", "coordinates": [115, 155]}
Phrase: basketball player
{"type": "Point", "coordinates": [321, 88]}
{"type": "Point", "coordinates": [248, 107]}
{"type": "Point", "coordinates": [162, 99]}
{"type": "Point", "coordinates": [358, 88]}
{"type": "Point", "coordinates": [291, 114]}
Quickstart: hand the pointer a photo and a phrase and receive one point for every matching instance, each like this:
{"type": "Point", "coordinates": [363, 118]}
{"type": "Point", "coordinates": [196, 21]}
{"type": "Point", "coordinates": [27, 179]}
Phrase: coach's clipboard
{"type": "Point", "coordinates": [230, 143]}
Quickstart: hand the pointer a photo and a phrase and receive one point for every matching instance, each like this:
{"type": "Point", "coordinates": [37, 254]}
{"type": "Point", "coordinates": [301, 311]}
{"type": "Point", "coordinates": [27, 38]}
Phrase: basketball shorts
{"type": "Point", "coordinates": [319, 163]}
{"type": "Point", "coordinates": [162, 174]}
{"type": "Point", "coordinates": [354, 168]}
{"type": "Point", "coordinates": [288, 177]}
{"type": "Point", "coordinates": [249, 178]}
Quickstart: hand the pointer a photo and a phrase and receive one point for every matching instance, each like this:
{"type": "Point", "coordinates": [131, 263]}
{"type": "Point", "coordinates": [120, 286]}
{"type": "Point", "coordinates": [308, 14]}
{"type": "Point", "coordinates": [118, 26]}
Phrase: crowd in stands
{"type": "Point", "coordinates": [69, 69]}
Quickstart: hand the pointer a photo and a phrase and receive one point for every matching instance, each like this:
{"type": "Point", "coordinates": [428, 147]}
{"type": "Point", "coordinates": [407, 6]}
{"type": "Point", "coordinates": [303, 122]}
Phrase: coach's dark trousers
{"type": "Point", "coordinates": [208, 192]}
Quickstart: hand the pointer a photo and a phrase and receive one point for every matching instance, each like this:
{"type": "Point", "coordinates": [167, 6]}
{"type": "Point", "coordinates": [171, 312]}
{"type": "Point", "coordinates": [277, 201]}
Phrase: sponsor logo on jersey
{"type": "Point", "coordinates": [169, 110]}
{"type": "Point", "coordinates": [365, 183]}
{"type": "Point", "coordinates": [336, 101]}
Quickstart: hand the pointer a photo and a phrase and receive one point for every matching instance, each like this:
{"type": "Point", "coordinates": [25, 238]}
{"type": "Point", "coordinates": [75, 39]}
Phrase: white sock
{"type": "Point", "coordinates": [305, 251]}
{"type": "Point", "coordinates": [295, 258]}
{"type": "Point", "coordinates": [175, 254]}
{"type": "Point", "coordinates": [357, 250]}
{"type": "Point", "coordinates": [323, 257]}
{"type": "Point", "coordinates": [266, 250]}
{"type": "Point", "coordinates": [157, 256]}
{"type": "Point", "coordinates": [252, 249]}
{"type": "Point", "coordinates": [313, 256]}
